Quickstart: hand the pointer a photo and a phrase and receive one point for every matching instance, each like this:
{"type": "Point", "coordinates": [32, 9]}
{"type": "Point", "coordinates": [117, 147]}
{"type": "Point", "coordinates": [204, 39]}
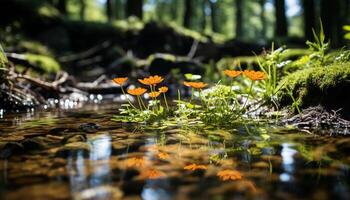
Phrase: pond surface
{"type": "Point", "coordinates": [56, 155]}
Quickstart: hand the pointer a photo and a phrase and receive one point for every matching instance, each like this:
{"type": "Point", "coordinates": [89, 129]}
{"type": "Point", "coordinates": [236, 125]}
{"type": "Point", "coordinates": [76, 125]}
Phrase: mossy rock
{"type": "Point", "coordinates": [327, 86]}
{"type": "Point", "coordinates": [43, 63]}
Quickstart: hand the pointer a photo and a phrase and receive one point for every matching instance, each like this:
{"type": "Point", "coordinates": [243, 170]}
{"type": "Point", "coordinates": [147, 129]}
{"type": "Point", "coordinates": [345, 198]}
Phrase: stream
{"type": "Point", "coordinates": [82, 154]}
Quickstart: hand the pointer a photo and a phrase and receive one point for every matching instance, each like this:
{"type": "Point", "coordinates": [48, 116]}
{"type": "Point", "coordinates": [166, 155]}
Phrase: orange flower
{"type": "Point", "coordinates": [137, 91]}
{"type": "Point", "coordinates": [163, 155]}
{"type": "Point", "coordinates": [153, 174]}
{"type": "Point", "coordinates": [154, 94]}
{"type": "Point", "coordinates": [196, 85]}
{"type": "Point", "coordinates": [255, 75]}
{"type": "Point", "coordinates": [228, 174]}
{"type": "Point", "coordinates": [120, 80]}
{"type": "Point", "coordinates": [135, 162]}
{"type": "Point", "coordinates": [163, 89]}
{"type": "Point", "coordinates": [193, 167]}
{"type": "Point", "coordinates": [152, 80]}
{"type": "Point", "coordinates": [232, 73]}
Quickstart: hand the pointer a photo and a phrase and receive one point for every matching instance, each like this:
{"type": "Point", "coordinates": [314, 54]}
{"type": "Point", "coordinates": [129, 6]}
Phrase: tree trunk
{"type": "Point", "coordinates": [204, 15]}
{"type": "Point", "coordinates": [281, 29]}
{"type": "Point", "coordinates": [332, 21]}
{"type": "Point", "coordinates": [263, 18]}
{"type": "Point", "coordinates": [119, 9]}
{"type": "Point", "coordinates": [309, 18]}
{"type": "Point", "coordinates": [62, 6]}
{"type": "Point", "coordinates": [187, 22]}
{"type": "Point", "coordinates": [134, 8]}
{"type": "Point", "coordinates": [110, 10]}
{"type": "Point", "coordinates": [239, 18]}
{"type": "Point", "coordinates": [174, 10]}
{"type": "Point", "coordinates": [82, 10]}
{"type": "Point", "coordinates": [213, 16]}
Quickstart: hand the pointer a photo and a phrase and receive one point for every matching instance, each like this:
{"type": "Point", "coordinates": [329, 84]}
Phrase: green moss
{"type": "Point", "coordinates": [3, 59]}
{"type": "Point", "coordinates": [34, 47]}
{"type": "Point", "coordinates": [47, 10]}
{"type": "Point", "coordinates": [165, 56]}
{"type": "Point", "coordinates": [131, 24]}
{"type": "Point", "coordinates": [43, 63]}
{"type": "Point", "coordinates": [187, 32]}
{"type": "Point", "coordinates": [327, 86]}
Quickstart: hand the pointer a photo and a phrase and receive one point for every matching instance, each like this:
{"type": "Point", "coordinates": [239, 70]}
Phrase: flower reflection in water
{"type": "Point", "coordinates": [157, 185]}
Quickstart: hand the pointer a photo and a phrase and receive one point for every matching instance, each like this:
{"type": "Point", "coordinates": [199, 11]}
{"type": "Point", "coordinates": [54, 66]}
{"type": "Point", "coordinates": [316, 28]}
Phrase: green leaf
{"type": "Point", "coordinates": [192, 77]}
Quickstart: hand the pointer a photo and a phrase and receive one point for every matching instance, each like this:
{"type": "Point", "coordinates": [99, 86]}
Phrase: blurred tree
{"type": "Point", "coordinates": [187, 20]}
{"type": "Point", "coordinates": [110, 7]}
{"type": "Point", "coordinates": [61, 6]}
{"type": "Point", "coordinates": [213, 15]}
{"type": "Point", "coordinates": [309, 18]}
{"type": "Point", "coordinates": [332, 21]}
{"type": "Point", "coordinates": [82, 9]}
{"type": "Point", "coordinates": [239, 18]}
{"type": "Point", "coordinates": [263, 18]}
{"type": "Point", "coordinates": [204, 15]}
{"type": "Point", "coordinates": [119, 9]}
{"type": "Point", "coordinates": [134, 8]}
{"type": "Point", "coordinates": [175, 7]}
{"type": "Point", "coordinates": [281, 29]}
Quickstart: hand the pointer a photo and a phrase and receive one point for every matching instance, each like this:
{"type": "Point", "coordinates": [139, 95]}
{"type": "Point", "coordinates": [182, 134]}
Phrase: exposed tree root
{"type": "Point", "coordinates": [320, 121]}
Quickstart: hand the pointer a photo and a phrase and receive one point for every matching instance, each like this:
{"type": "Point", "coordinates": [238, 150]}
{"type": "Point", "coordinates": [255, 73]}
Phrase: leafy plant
{"type": "Point", "coordinates": [270, 64]}
{"type": "Point", "coordinates": [319, 47]}
{"type": "Point", "coordinates": [218, 105]}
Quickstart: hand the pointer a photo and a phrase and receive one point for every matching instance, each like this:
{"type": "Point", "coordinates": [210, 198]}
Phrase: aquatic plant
{"type": "Point", "coordinates": [216, 105]}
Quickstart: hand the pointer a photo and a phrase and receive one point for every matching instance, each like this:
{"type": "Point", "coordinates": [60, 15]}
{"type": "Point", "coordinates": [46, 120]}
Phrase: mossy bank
{"type": "Point", "coordinates": [328, 86]}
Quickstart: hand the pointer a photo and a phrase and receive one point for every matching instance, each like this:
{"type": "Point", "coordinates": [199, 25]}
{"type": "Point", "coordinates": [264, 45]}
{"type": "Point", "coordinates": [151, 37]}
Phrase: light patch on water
{"type": "Point", "coordinates": [101, 147]}
{"type": "Point", "coordinates": [287, 155]}
{"type": "Point", "coordinates": [285, 177]}
{"type": "Point", "coordinates": [76, 172]}
{"type": "Point", "coordinates": [154, 193]}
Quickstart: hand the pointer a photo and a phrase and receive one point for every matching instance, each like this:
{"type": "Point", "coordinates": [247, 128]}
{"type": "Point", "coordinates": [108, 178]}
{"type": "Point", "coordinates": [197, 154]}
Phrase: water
{"type": "Point", "coordinates": [46, 156]}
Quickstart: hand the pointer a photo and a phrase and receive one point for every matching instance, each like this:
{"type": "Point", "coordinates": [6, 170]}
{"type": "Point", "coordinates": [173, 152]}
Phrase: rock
{"type": "Point", "coordinates": [52, 190]}
{"type": "Point", "coordinates": [75, 138]}
{"type": "Point", "coordinates": [324, 85]}
{"type": "Point", "coordinates": [73, 149]}
{"type": "Point", "coordinates": [7, 149]}
{"type": "Point", "coordinates": [61, 130]}
{"type": "Point", "coordinates": [89, 127]}
{"type": "Point", "coordinates": [34, 143]}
